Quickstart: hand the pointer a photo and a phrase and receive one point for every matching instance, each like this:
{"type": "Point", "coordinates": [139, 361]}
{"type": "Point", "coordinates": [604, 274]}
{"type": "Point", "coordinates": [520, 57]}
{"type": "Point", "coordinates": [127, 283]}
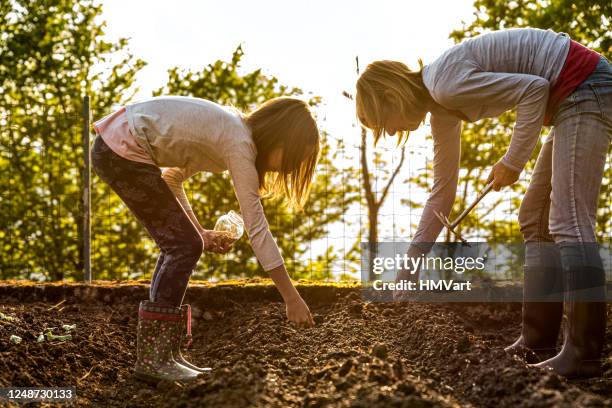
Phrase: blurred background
{"type": "Point", "coordinates": [55, 52]}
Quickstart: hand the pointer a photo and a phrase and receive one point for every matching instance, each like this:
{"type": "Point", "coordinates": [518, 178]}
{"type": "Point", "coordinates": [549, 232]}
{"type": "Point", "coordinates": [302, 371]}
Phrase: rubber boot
{"type": "Point", "coordinates": [584, 333]}
{"type": "Point", "coordinates": [158, 329]}
{"type": "Point", "coordinates": [542, 313]}
{"type": "Point", "coordinates": [185, 334]}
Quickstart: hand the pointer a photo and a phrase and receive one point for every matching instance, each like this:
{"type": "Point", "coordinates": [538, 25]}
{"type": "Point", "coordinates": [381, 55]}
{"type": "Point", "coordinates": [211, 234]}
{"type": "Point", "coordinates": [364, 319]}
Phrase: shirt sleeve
{"type": "Point", "coordinates": [446, 133]}
{"type": "Point", "coordinates": [246, 186]}
{"type": "Point", "coordinates": [174, 178]}
{"type": "Point", "coordinates": [528, 93]}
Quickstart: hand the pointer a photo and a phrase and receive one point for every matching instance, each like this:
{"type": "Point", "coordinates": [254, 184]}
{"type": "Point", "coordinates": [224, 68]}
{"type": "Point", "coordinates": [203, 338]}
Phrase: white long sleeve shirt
{"type": "Point", "coordinates": [190, 135]}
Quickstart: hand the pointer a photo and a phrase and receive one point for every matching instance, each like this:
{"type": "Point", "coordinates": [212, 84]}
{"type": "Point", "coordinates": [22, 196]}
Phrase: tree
{"type": "Point", "coordinates": [50, 51]}
{"type": "Point", "coordinates": [211, 195]}
{"type": "Point", "coordinates": [586, 21]}
{"type": "Point", "coordinates": [374, 197]}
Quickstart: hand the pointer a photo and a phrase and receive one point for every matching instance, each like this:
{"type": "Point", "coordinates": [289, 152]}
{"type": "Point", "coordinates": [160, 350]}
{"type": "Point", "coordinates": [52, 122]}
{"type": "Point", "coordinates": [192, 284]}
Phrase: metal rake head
{"type": "Point", "coordinates": [446, 222]}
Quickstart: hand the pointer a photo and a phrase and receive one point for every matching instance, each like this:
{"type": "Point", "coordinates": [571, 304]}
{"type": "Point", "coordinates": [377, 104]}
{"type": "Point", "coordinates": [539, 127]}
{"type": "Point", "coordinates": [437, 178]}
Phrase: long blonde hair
{"type": "Point", "coordinates": [388, 77]}
{"type": "Point", "coordinates": [285, 123]}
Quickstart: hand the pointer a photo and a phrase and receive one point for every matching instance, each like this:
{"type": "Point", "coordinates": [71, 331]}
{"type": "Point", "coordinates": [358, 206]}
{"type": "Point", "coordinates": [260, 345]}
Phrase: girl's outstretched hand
{"type": "Point", "coordinates": [217, 241]}
{"type": "Point", "coordinates": [298, 312]}
{"type": "Point", "coordinates": [296, 308]}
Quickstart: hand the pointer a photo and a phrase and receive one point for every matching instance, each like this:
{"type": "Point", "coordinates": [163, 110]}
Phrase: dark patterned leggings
{"type": "Point", "coordinates": [146, 194]}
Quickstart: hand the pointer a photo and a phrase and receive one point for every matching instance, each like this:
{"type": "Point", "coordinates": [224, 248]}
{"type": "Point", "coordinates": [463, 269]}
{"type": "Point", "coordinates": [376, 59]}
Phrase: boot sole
{"type": "Point", "coordinates": [150, 379]}
{"type": "Point", "coordinates": [153, 380]}
{"type": "Point", "coordinates": [195, 368]}
{"type": "Point", "coordinates": [531, 355]}
{"type": "Point", "coordinates": [587, 370]}
{"type": "Point", "coordinates": [199, 369]}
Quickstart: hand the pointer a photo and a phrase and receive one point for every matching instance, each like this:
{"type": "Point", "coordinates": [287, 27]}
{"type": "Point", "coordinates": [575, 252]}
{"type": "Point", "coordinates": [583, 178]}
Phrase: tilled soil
{"type": "Point", "coordinates": [359, 354]}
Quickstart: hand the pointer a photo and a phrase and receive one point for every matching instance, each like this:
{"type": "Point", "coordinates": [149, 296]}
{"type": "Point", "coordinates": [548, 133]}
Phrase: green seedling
{"type": "Point", "coordinates": [15, 339]}
{"type": "Point", "coordinates": [40, 338]}
{"type": "Point", "coordinates": [50, 337]}
{"type": "Point", "coordinates": [7, 318]}
{"type": "Point", "coordinates": [69, 327]}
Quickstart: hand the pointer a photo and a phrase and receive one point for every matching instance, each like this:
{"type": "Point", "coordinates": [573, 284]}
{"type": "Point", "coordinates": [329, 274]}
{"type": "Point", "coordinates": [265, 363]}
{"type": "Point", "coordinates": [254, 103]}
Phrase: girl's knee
{"type": "Point", "coordinates": [194, 247]}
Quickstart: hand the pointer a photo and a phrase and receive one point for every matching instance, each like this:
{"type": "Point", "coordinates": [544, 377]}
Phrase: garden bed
{"type": "Point", "coordinates": [359, 353]}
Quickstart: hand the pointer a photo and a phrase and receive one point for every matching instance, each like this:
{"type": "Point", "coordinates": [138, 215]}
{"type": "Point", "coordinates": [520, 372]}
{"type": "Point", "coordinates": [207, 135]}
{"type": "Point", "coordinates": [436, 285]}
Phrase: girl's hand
{"type": "Point", "coordinates": [298, 312]}
{"type": "Point", "coordinates": [502, 176]}
{"type": "Point", "coordinates": [216, 241]}
{"type": "Point", "coordinates": [296, 308]}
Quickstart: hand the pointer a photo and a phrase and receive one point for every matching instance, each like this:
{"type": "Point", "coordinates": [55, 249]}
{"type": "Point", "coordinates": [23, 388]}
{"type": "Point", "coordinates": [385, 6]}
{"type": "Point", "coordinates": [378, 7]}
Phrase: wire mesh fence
{"type": "Point", "coordinates": [46, 206]}
{"type": "Point", "coordinates": [41, 189]}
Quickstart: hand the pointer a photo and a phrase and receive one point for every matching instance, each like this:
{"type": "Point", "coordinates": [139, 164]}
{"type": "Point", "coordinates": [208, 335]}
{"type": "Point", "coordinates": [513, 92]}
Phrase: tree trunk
{"type": "Point", "coordinates": [372, 240]}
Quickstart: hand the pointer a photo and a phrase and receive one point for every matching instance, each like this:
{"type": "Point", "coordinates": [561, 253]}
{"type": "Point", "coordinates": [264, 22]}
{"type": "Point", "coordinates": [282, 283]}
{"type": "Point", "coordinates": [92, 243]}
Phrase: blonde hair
{"type": "Point", "coordinates": [391, 77]}
{"type": "Point", "coordinates": [285, 123]}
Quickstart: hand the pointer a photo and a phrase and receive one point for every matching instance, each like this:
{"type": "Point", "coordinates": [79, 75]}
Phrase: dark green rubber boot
{"type": "Point", "coordinates": [158, 331]}
{"type": "Point", "coordinates": [185, 334]}
{"type": "Point", "coordinates": [542, 314]}
{"type": "Point", "coordinates": [585, 331]}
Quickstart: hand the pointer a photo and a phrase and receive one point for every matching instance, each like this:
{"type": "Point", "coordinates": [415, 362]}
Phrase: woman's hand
{"type": "Point", "coordinates": [216, 241]}
{"type": "Point", "coordinates": [502, 176]}
{"type": "Point", "coordinates": [298, 312]}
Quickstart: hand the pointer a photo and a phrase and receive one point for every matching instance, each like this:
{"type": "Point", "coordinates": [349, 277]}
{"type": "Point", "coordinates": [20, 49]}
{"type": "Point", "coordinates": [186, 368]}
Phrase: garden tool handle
{"type": "Point", "coordinates": [465, 212]}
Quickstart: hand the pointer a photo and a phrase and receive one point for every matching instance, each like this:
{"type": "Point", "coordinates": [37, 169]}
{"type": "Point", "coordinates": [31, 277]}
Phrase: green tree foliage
{"type": "Point", "coordinates": [49, 51]}
{"type": "Point", "coordinates": [586, 21]}
{"type": "Point", "coordinates": [52, 53]}
{"type": "Point", "coordinates": [211, 195]}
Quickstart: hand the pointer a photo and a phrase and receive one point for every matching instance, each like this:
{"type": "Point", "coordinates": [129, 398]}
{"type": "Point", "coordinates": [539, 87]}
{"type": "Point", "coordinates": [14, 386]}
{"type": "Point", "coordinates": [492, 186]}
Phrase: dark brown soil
{"type": "Point", "coordinates": [359, 354]}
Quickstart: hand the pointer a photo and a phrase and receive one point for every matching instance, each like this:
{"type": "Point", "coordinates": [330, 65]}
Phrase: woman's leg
{"type": "Point", "coordinates": [542, 307]}
{"type": "Point", "coordinates": [540, 250]}
{"type": "Point", "coordinates": [146, 194]}
{"type": "Point", "coordinates": [583, 126]}
{"type": "Point", "coordinates": [583, 130]}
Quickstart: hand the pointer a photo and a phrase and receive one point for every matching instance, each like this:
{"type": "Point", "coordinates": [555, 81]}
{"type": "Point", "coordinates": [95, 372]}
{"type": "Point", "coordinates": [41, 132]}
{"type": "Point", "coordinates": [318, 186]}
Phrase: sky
{"type": "Point", "coordinates": [307, 44]}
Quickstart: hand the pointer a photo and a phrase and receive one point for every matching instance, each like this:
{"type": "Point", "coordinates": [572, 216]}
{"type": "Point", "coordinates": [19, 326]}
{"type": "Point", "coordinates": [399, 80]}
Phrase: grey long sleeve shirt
{"type": "Point", "coordinates": [484, 77]}
{"type": "Point", "coordinates": [190, 135]}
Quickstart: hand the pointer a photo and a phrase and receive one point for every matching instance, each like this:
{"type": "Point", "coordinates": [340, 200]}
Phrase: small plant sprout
{"type": "Point", "coordinates": [50, 336]}
{"type": "Point", "coordinates": [15, 339]}
{"type": "Point", "coordinates": [6, 317]}
{"type": "Point", "coordinates": [69, 327]}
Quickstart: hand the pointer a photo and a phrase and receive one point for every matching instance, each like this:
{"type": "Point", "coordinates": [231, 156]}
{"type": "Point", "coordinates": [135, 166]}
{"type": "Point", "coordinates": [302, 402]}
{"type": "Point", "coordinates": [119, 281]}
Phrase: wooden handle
{"type": "Point", "coordinates": [465, 212]}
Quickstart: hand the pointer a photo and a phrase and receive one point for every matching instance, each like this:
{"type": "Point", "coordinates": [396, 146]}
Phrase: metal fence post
{"type": "Point", "coordinates": [86, 194]}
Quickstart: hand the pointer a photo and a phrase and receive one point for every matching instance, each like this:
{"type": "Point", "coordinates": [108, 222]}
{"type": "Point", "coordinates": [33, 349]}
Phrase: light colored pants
{"type": "Point", "coordinates": [558, 214]}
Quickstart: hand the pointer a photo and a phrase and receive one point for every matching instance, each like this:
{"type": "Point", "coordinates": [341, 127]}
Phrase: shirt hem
{"type": "Point", "coordinates": [140, 139]}
{"type": "Point", "coordinates": [109, 144]}
{"type": "Point", "coordinates": [269, 268]}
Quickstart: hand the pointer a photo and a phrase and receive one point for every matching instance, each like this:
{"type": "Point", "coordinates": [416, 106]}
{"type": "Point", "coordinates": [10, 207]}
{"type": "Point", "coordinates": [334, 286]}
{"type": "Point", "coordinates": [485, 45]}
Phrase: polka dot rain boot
{"type": "Point", "coordinates": [158, 329]}
{"type": "Point", "coordinates": [185, 333]}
